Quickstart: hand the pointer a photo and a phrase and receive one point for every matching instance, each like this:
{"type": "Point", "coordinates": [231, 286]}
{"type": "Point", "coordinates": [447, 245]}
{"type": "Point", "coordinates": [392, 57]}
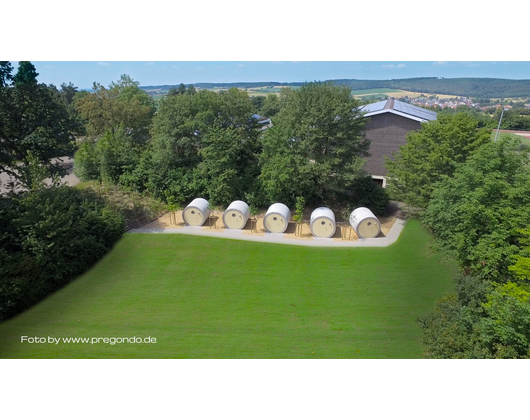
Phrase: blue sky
{"type": "Point", "coordinates": [83, 73]}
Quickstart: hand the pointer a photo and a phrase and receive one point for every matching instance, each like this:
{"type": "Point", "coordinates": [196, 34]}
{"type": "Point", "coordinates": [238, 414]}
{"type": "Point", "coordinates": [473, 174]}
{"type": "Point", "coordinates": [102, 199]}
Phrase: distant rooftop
{"type": "Point", "coordinates": [399, 108]}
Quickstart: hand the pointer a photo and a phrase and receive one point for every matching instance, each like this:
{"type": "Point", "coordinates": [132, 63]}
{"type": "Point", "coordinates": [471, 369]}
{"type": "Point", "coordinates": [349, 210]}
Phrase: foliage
{"type": "Point", "coordinates": [47, 237]}
{"type": "Point", "coordinates": [448, 329]}
{"type": "Point", "coordinates": [108, 158]}
{"type": "Point", "coordinates": [316, 145]}
{"type": "Point", "coordinates": [432, 154]}
{"type": "Point", "coordinates": [26, 74]}
{"type": "Point", "coordinates": [6, 70]}
{"type": "Point", "coordinates": [521, 268]}
{"type": "Point", "coordinates": [35, 124]}
{"type": "Point", "coordinates": [229, 164]}
{"type": "Point", "coordinates": [204, 144]}
{"type": "Point", "coordinates": [118, 120]}
{"type": "Point", "coordinates": [298, 215]}
{"type": "Point", "coordinates": [475, 215]}
{"type": "Point", "coordinates": [123, 106]}
{"type": "Point", "coordinates": [491, 322]}
{"type": "Point", "coordinates": [365, 192]}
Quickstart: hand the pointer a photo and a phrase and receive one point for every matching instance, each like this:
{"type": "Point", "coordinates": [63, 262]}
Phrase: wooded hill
{"type": "Point", "coordinates": [470, 87]}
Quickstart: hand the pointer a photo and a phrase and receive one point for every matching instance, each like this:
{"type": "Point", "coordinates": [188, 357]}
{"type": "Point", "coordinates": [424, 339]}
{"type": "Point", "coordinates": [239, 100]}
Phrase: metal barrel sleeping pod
{"type": "Point", "coordinates": [236, 215]}
{"type": "Point", "coordinates": [277, 218]}
{"type": "Point", "coordinates": [197, 212]}
{"type": "Point", "coordinates": [322, 223]}
{"type": "Point", "coordinates": [364, 222]}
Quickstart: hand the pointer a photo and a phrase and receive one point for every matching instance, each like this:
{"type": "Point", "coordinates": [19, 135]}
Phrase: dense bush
{"type": "Point", "coordinates": [47, 237]}
{"type": "Point", "coordinates": [367, 193]}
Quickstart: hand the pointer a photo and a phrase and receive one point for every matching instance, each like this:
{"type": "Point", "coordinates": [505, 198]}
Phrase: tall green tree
{"type": "Point", "coordinates": [35, 126]}
{"type": "Point", "coordinates": [6, 76]}
{"type": "Point", "coordinates": [177, 132]}
{"type": "Point", "coordinates": [117, 121]}
{"type": "Point", "coordinates": [476, 215]}
{"type": "Point", "coordinates": [26, 74]}
{"type": "Point", "coordinates": [229, 165]}
{"type": "Point", "coordinates": [316, 145]}
{"type": "Point", "coordinates": [431, 154]}
{"type": "Point", "coordinates": [204, 143]}
{"type": "Point", "coordinates": [121, 106]}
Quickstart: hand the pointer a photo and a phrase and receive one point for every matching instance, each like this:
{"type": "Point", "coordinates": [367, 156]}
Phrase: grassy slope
{"type": "Point", "coordinates": [217, 298]}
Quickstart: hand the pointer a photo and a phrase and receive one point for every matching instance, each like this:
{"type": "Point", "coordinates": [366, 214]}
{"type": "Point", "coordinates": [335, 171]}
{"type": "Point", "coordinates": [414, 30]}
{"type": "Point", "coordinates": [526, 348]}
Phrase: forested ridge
{"type": "Point", "coordinates": [472, 87]}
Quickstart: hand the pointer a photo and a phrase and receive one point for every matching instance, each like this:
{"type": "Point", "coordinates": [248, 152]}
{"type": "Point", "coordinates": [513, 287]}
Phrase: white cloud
{"type": "Point", "coordinates": [440, 63]}
{"type": "Point", "coordinates": [393, 66]}
{"type": "Point", "coordinates": [150, 63]}
{"type": "Point", "coordinates": [101, 63]}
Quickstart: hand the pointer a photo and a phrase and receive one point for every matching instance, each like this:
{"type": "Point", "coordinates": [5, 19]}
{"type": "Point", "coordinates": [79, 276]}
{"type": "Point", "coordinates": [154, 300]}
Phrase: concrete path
{"type": "Point", "coordinates": [279, 238]}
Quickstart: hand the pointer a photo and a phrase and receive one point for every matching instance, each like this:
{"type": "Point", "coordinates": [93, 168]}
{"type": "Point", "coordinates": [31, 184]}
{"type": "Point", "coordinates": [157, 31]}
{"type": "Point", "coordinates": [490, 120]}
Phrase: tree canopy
{"type": "Point", "coordinates": [35, 124]}
{"type": "Point", "coordinates": [316, 146]}
{"type": "Point", "coordinates": [476, 214]}
{"type": "Point", "coordinates": [432, 154]}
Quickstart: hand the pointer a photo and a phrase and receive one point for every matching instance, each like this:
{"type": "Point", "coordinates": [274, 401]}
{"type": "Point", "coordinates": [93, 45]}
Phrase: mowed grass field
{"type": "Point", "coordinates": [216, 298]}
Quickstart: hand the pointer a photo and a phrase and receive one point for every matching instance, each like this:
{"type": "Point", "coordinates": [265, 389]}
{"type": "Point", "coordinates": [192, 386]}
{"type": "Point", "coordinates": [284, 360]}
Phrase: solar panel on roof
{"type": "Point", "coordinates": [414, 110]}
{"type": "Point", "coordinates": [403, 107]}
{"type": "Point", "coordinates": [376, 106]}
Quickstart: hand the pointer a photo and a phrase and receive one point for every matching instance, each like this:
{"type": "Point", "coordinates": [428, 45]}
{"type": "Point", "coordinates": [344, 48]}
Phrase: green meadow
{"type": "Point", "coordinates": [200, 297]}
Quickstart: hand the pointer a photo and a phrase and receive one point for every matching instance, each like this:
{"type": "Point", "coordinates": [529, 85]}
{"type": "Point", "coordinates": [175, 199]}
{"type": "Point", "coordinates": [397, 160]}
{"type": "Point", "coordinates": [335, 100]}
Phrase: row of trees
{"type": "Point", "coordinates": [472, 193]}
{"type": "Point", "coordinates": [49, 233]}
{"type": "Point", "coordinates": [203, 143]}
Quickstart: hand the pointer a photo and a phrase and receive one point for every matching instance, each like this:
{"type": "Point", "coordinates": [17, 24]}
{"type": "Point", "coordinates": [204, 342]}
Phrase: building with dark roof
{"type": "Point", "coordinates": [390, 121]}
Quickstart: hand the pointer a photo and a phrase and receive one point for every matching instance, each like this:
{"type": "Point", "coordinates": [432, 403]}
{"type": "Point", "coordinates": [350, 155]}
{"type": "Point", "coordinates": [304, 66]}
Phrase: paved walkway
{"type": "Point", "coordinates": [279, 238]}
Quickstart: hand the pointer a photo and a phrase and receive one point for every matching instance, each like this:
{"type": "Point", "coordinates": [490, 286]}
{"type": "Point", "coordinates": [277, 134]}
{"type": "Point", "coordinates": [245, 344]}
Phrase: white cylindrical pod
{"type": "Point", "coordinates": [196, 213]}
{"type": "Point", "coordinates": [364, 222]}
{"type": "Point", "coordinates": [236, 215]}
{"type": "Point", "coordinates": [322, 223]}
{"type": "Point", "coordinates": [277, 218]}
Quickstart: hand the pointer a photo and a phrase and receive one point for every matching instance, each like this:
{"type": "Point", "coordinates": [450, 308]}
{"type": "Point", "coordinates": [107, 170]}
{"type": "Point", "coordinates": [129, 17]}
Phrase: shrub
{"type": "Point", "coordinates": [48, 237]}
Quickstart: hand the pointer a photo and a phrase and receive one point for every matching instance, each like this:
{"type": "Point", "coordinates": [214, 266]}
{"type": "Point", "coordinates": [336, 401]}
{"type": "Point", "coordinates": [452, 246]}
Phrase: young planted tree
{"type": "Point", "coordinates": [298, 216]}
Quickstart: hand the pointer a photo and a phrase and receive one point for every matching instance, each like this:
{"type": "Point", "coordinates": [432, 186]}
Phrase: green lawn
{"type": "Point", "coordinates": [217, 298]}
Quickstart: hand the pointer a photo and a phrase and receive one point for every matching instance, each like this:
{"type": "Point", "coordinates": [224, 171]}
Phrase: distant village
{"type": "Point", "coordinates": [433, 101]}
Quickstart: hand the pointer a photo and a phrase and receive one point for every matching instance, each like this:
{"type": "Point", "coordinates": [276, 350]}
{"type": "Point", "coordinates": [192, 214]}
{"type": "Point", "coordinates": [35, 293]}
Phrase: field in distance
{"type": "Point", "coordinates": [360, 94]}
{"type": "Point", "coordinates": [371, 94]}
